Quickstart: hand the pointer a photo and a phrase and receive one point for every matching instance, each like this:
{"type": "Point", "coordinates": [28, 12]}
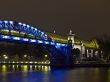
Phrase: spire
{"type": "Point", "coordinates": [70, 32]}
{"type": "Point", "coordinates": [54, 31]}
{"type": "Point", "coordinates": [71, 37]}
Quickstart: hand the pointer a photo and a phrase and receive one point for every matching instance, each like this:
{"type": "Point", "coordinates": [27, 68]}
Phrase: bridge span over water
{"type": "Point", "coordinates": [12, 31]}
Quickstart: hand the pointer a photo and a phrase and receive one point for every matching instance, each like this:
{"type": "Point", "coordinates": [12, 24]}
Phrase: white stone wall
{"type": "Point", "coordinates": [81, 48]}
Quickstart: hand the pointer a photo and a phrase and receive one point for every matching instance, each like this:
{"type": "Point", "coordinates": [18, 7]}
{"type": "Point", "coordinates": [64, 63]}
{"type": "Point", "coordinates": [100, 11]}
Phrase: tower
{"type": "Point", "coordinates": [71, 38]}
{"type": "Point", "coordinates": [54, 31]}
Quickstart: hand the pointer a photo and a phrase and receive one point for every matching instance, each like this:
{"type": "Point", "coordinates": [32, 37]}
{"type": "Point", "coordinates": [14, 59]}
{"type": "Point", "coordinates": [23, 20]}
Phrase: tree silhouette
{"type": "Point", "coordinates": [76, 54]}
{"type": "Point", "coordinates": [104, 44]}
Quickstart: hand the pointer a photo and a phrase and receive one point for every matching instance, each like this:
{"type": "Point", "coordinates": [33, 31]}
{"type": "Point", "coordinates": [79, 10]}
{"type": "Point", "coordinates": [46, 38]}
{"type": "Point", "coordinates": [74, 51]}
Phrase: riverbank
{"type": "Point", "coordinates": [82, 65]}
{"type": "Point", "coordinates": [91, 65]}
{"type": "Point", "coordinates": [24, 64]}
{"type": "Point", "coordinates": [60, 66]}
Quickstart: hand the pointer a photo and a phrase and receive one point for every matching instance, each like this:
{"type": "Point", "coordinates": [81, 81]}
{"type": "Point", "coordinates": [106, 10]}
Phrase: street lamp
{"type": "Point", "coordinates": [46, 56]}
{"type": "Point", "coordinates": [6, 57]}
{"type": "Point", "coordinates": [25, 56]}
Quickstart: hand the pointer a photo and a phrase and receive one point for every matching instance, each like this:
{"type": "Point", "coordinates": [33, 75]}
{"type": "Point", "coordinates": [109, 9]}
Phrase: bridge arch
{"type": "Point", "coordinates": [60, 52]}
{"type": "Point", "coordinates": [24, 28]}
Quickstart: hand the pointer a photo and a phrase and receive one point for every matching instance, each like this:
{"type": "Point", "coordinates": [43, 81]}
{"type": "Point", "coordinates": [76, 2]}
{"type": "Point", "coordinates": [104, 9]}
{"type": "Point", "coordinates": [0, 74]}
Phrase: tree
{"type": "Point", "coordinates": [76, 55]}
{"type": "Point", "coordinates": [104, 44]}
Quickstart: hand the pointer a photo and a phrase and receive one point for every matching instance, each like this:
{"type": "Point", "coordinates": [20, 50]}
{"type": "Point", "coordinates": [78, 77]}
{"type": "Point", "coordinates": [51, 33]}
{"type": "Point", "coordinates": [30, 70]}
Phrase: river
{"type": "Point", "coordinates": [26, 73]}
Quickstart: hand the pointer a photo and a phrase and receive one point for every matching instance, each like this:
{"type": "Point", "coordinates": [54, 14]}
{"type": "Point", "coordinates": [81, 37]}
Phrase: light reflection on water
{"type": "Point", "coordinates": [23, 68]}
{"type": "Point", "coordinates": [20, 71]}
{"type": "Point", "coordinates": [34, 73]}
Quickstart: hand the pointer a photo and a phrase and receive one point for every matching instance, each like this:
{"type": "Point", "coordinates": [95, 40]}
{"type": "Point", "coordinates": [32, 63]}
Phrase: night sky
{"type": "Point", "coordinates": [87, 18]}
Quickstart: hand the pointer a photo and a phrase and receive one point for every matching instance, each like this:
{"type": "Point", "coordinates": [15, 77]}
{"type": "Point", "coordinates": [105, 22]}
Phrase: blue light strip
{"type": "Point", "coordinates": [46, 42]}
{"type": "Point", "coordinates": [33, 40]}
{"type": "Point", "coordinates": [39, 41]}
{"type": "Point", "coordinates": [52, 43]}
{"type": "Point", "coordinates": [25, 39]}
{"type": "Point", "coordinates": [15, 38]}
{"type": "Point", "coordinates": [5, 37]}
{"type": "Point", "coordinates": [22, 27]}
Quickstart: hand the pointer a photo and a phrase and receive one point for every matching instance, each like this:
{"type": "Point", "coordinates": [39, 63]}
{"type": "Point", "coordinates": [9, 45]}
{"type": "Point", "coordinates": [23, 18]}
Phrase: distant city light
{"type": "Point", "coordinates": [35, 62]}
{"type": "Point", "coordinates": [21, 62]}
{"type": "Point", "coordinates": [46, 56]}
{"type": "Point", "coordinates": [30, 62]}
{"type": "Point", "coordinates": [25, 56]}
{"type": "Point", "coordinates": [6, 57]}
{"type": "Point", "coordinates": [26, 62]}
{"type": "Point", "coordinates": [13, 62]}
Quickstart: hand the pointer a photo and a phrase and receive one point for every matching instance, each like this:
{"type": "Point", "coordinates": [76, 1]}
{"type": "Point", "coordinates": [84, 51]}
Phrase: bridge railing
{"type": "Point", "coordinates": [30, 40]}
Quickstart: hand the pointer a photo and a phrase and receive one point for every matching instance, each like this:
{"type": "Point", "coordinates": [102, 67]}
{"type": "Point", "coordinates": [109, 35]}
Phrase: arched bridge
{"type": "Point", "coordinates": [18, 31]}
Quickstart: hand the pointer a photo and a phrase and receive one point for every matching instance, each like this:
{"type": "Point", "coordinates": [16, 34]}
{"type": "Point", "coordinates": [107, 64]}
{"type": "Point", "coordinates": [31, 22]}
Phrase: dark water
{"type": "Point", "coordinates": [31, 73]}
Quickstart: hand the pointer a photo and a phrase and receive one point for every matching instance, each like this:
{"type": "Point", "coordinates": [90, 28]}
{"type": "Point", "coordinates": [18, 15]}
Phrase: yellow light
{"type": "Point", "coordinates": [45, 62]}
{"type": "Point", "coordinates": [30, 62]}
{"type": "Point", "coordinates": [4, 55]}
{"type": "Point", "coordinates": [35, 62]}
{"type": "Point", "coordinates": [13, 31]}
{"type": "Point", "coordinates": [13, 66]}
{"type": "Point", "coordinates": [21, 62]}
{"type": "Point", "coordinates": [42, 67]}
{"type": "Point", "coordinates": [35, 66]}
{"type": "Point", "coordinates": [25, 56]}
{"type": "Point", "coordinates": [49, 62]}
{"type": "Point", "coordinates": [46, 68]}
{"type": "Point", "coordinates": [30, 67]}
{"type": "Point", "coordinates": [39, 67]}
{"type": "Point", "coordinates": [49, 68]}
{"type": "Point", "coordinates": [46, 56]}
{"type": "Point", "coordinates": [4, 68]}
{"type": "Point", "coordinates": [25, 67]}
{"type": "Point", "coordinates": [17, 66]}
{"type": "Point", "coordinates": [26, 62]}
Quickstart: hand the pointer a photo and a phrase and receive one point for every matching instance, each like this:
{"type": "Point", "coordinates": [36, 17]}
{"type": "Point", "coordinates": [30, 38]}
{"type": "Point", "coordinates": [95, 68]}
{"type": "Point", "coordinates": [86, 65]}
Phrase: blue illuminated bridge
{"type": "Point", "coordinates": [13, 31]}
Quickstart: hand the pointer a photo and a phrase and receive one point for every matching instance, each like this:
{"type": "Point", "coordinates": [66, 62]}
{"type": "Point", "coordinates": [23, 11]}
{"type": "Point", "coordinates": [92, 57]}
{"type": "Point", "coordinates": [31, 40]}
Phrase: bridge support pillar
{"type": "Point", "coordinates": [60, 56]}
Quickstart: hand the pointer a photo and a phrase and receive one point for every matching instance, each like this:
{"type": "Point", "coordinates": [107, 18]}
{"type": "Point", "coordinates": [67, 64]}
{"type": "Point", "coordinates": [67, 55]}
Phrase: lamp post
{"type": "Point", "coordinates": [5, 57]}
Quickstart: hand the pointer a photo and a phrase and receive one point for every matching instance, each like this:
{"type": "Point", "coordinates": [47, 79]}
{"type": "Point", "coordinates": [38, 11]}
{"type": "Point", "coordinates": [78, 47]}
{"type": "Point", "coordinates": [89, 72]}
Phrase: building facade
{"type": "Point", "coordinates": [88, 50]}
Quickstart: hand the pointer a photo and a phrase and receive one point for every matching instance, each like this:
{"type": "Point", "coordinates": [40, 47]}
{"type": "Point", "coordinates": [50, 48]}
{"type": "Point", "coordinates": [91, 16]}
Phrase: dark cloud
{"type": "Point", "coordinates": [87, 18]}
